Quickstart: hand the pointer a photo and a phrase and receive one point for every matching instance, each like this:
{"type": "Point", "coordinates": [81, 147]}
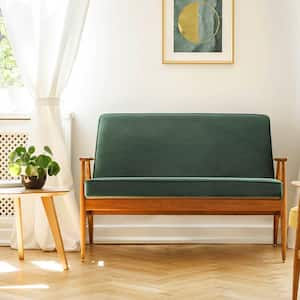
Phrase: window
{"type": "Point", "coordinates": [9, 73]}
{"type": "Point", "coordinates": [13, 96]}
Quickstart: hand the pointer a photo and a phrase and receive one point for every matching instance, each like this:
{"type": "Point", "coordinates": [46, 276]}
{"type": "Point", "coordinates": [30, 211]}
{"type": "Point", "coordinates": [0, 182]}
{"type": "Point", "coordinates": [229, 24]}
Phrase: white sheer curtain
{"type": "Point", "coordinates": [45, 36]}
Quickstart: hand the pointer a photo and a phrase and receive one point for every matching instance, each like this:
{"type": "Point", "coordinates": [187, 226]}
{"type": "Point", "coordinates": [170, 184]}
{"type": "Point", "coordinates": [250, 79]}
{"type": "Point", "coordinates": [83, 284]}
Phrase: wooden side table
{"type": "Point", "coordinates": [46, 196]}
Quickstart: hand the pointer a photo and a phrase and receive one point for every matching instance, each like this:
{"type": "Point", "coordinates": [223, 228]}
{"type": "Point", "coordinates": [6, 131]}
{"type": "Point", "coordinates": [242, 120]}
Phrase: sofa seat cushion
{"type": "Point", "coordinates": [183, 187]}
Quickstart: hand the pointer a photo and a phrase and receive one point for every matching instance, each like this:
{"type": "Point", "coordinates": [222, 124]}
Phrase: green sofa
{"type": "Point", "coordinates": [183, 164]}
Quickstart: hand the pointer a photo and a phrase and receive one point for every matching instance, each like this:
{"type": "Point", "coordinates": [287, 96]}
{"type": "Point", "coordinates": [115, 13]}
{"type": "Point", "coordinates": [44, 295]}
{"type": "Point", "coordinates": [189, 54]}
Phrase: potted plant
{"type": "Point", "coordinates": [33, 169]}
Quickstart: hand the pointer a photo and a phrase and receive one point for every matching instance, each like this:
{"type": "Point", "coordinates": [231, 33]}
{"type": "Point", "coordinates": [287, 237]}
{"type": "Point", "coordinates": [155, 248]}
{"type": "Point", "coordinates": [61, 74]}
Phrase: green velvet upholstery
{"type": "Point", "coordinates": [183, 186]}
{"type": "Point", "coordinates": [139, 154]}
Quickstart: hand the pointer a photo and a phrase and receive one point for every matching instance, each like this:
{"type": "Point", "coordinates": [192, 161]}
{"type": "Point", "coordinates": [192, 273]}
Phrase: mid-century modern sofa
{"type": "Point", "coordinates": [187, 164]}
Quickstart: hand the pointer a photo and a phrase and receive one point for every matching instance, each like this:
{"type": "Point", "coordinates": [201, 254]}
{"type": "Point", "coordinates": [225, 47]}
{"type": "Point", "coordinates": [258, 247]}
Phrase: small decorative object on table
{"type": "Point", "coordinates": [32, 168]}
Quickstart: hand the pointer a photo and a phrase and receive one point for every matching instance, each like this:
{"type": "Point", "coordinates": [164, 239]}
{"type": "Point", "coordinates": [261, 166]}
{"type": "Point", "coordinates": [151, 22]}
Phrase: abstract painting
{"type": "Point", "coordinates": [198, 26]}
{"type": "Point", "coordinates": [198, 31]}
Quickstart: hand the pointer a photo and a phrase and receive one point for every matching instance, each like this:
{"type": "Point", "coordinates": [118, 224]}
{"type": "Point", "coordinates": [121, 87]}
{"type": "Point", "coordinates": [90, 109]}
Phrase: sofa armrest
{"type": "Point", "coordinates": [85, 174]}
{"type": "Point", "coordinates": [86, 158]}
{"type": "Point", "coordinates": [280, 159]}
{"type": "Point", "coordinates": [280, 168]}
{"type": "Point", "coordinates": [281, 173]}
{"type": "Point", "coordinates": [85, 168]}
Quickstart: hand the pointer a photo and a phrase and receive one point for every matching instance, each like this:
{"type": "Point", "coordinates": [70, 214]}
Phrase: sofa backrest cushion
{"type": "Point", "coordinates": [182, 145]}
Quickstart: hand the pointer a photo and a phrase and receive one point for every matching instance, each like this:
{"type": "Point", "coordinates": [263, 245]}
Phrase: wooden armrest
{"type": "Point", "coordinates": [280, 169]}
{"type": "Point", "coordinates": [85, 170]}
{"type": "Point", "coordinates": [283, 159]}
{"type": "Point", "coordinates": [86, 158]}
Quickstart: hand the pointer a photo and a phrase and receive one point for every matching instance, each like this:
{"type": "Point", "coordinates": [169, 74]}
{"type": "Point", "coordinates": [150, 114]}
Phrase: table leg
{"type": "Point", "coordinates": [53, 222]}
{"type": "Point", "coordinates": [275, 230]}
{"type": "Point", "coordinates": [296, 272]}
{"type": "Point", "coordinates": [18, 211]}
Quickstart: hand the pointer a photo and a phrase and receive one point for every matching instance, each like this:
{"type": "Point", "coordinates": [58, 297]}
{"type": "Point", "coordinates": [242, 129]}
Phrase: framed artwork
{"type": "Point", "coordinates": [198, 32]}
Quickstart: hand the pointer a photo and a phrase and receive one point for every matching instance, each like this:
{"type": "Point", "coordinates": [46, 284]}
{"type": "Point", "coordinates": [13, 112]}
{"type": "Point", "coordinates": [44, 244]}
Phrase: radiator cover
{"type": "Point", "coordinates": [8, 142]}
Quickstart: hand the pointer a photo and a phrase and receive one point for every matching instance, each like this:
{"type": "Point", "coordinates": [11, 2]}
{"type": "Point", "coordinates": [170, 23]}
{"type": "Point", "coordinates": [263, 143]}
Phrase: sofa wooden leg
{"type": "Point", "coordinates": [275, 230]}
{"type": "Point", "coordinates": [283, 233]}
{"type": "Point", "coordinates": [82, 233]}
{"type": "Point", "coordinates": [91, 228]}
{"type": "Point", "coordinates": [283, 214]}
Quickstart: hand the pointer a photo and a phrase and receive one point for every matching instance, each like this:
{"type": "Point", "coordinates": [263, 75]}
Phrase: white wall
{"type": "Point", "coordinates": [119, 70]}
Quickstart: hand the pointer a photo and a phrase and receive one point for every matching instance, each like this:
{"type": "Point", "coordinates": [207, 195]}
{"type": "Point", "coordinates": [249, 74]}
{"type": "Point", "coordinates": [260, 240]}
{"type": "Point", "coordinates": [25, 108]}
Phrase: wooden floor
{"type": "Point", "coordinates": [202, 272]}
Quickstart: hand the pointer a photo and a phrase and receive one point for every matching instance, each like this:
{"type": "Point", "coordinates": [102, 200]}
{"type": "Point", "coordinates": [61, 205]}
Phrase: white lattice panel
{"type": "Point", "coordinates": [8, 142]}
{"type": "Point", "coordinates": [6, 207]}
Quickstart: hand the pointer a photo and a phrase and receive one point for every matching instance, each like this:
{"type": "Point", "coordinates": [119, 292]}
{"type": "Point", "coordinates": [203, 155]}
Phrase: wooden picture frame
{"type": "Point", "coordinates": [178, 47]}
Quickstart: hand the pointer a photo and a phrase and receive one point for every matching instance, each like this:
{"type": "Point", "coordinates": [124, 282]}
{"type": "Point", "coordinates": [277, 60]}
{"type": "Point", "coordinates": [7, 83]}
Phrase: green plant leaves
{"type": "Point", "coordinates": [12, 156]}
{"type": "Point", "coordinates": [14, 169]}
{"type": "Point", "coordinates": [25, 157]}
{"type": "Point", "coordinates": [31, 149]}
{"type": "Point", "coordinates": [32, 160]}
{"type": "Point", "coordinates": [20, 150]}
{"type": "Point", "coordinates": [41, 172]}
{"type": "Point", "coordinates": [43, 161]}
{"type": "Point", "coordinates": [48, 150]}
{"type": "Point", "coordinates": [31, 171]}
{"type": "Point", "coordinates": [53, 168]}
{"type": "Point", "coordinates": [23, 162]}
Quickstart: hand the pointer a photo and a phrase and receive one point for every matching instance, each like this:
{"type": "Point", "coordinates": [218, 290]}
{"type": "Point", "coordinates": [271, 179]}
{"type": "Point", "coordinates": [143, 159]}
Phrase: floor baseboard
{"type": "Point", "coordinates": [183, 234]}
{"type": "Point", "coordinates": [170, 233]}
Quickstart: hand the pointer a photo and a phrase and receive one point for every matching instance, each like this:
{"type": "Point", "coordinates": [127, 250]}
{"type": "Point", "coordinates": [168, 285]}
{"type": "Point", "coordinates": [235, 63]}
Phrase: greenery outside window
{"type": "Point", "coordinates": [9, 73]}
{"type": "Point", "coordinates": [14, 98]}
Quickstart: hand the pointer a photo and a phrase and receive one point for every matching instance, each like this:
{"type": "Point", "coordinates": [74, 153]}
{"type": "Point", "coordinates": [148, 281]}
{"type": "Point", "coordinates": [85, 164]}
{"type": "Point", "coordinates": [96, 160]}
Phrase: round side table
{"type": "Point", "coordinates": [46, 196]}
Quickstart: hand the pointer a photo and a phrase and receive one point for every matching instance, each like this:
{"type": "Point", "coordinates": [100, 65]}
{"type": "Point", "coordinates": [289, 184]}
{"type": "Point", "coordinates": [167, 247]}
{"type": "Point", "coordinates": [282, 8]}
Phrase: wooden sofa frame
{"type": "Point", "coordinates": [192, 206]}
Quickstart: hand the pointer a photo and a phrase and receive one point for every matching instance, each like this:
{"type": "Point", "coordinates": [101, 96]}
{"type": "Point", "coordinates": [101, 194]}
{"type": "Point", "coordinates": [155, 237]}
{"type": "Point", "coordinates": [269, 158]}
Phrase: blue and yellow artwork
{"type": "Point", "coordinates": [197, 25]}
